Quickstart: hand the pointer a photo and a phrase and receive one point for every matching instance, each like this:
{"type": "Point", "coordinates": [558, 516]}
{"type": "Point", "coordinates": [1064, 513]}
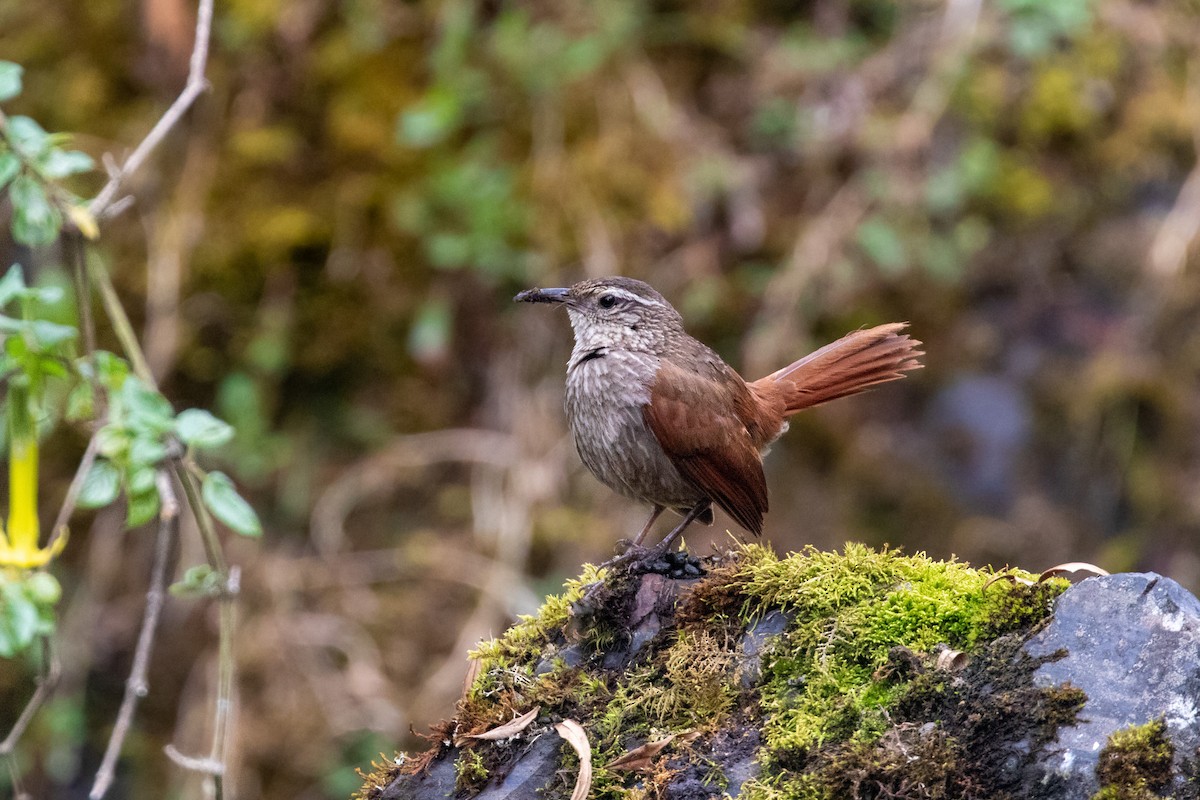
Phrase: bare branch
{"type": "Point", "coordinates": [103, 205]}
{"type": "Point", "coordinates": [378, 473]}
{"type": "Point", "coordinates": [224, 682]}
{"type": "Point", "coordinates": [48, 674]}
{"type": "Point", "coordinates": [72, 496]}
{"type": "Point", "coordinates": [122, 327]}
{"type": "Point", "coordinates": [83, 297]}
{"type": "Point", "coordinates": [205, 766]}
{"type": "Point", "coordinates": [136, 686]}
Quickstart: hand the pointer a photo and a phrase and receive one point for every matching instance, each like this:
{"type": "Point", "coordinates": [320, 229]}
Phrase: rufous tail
{"type": "Point", "coordinates": [857, 361]}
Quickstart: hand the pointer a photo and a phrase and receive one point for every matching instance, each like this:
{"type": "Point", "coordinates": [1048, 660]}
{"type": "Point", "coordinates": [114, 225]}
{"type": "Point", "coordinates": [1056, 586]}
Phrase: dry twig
{"type": "Point", "coordinates": [103, 203]}
{"type": "Point", "coordinates": [49, 672]}
{"type": "Point", "coordinates": [136, 686]}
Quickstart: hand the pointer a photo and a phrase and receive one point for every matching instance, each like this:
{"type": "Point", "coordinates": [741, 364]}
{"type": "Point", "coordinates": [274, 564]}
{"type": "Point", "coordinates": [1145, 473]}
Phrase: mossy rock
{"type": "Point", "coordinates": [860, 674]}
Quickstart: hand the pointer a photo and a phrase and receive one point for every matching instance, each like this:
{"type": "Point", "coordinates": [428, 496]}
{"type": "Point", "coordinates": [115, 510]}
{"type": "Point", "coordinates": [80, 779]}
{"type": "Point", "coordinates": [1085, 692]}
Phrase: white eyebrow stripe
{"type": "Point", "coordinates": [628, 295]}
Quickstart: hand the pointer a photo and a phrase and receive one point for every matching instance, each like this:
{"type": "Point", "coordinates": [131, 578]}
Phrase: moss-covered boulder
{"type": "Point", "coordinates": [859, 674]}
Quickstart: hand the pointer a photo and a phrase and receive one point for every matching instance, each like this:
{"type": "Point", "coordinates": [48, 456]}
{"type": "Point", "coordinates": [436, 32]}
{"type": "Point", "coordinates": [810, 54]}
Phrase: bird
{"type": "Point", "coordinates": [659, 417]}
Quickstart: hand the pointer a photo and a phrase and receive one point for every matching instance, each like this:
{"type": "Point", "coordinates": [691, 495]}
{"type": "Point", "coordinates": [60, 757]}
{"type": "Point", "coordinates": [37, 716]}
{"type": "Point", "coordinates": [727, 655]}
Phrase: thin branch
{"type": "Point", "coordinates": [87, 320]}
{"type": "Point", "coordinates": [136, 686]}
{"type": "Point", "coordinates": [204, 766]}
{"type": "Point", "coordinates": [224, 702]}
{"type": "Point", "coordinates": [208, 532]}
{"type": "Point", "coordinates": [122, 327]}
{"type": "Point", "coordinates": [72, 496]}
{"type": "Point", "coordinates": [102, 204]}
{"type": "Point", "coordinates": [83, 294]}
{"type": "Point", "coordinates": [380, 472]}
{"type": "Point", "coordinates": [49, 672]}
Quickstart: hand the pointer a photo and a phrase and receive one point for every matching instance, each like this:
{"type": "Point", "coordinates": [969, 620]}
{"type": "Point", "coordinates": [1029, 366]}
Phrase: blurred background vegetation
{"type": "Point", "coordinates": [325, 253]}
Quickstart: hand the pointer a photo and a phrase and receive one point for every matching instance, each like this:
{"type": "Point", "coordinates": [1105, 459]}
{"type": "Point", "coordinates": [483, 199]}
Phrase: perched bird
{"type": "Point", "coordinates": [659, 417]}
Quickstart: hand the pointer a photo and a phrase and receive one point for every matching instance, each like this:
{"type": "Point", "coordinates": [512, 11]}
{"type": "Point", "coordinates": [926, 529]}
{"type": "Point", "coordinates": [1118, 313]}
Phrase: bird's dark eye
{"type": "Point", "coordinates": [607, 301]}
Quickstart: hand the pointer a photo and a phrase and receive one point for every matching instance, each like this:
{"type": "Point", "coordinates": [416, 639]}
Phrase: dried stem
{"type": "Point", "coordinates": [102, 204]}
{"type": "Point", "coordinates": [120, 320]}
{"type": "Point", "coordinates": [136, 686]}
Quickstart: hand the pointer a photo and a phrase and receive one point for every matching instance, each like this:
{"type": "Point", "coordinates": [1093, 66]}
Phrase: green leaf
{"type": "Point", "coordinates": [43, 589]}
{"type": "Point", "coordinates": [12, 284]}
{"type": "Point", "coordinates": [61, 163]}
{"type": "Point", "coordinates": [36, 222]}
{"type": "Point", "coordinates": [149, 411]}
{"type": "Point", "coordinates": [101, 485]}
{"type": "Point", "coordinates": [15, 346]}
{"type": "Point", "coordinates": [142, 508]}
{"type": "Point", "coordinates": [10, 80]}
{"type": "Point", "coordinates": [198, 581]}
{"type": "Point", "coordinates": [48, 365]}
{"type": "Point", "coordinates": [228, 506]}
{"type": "Point", "coordinates": [111, 370]}
{"type": "Point", "coordinates": [10, 165]}
{"type": "Point", "coordinates": [200, 429]}
{"type": "Point", "coordinates": [18, 620]}
{"type": "Point", "coordinates": [112, 441]}
{"type": "Point", "coordinates": [49, 334]}
{"type": "Point", "coordinates": [46, 295]}
{"type": "Point", "coordinates": [141, 480]}
{"type": "Point", "coordinates": [81, 404]}
{"type": "Point", "coordinates": [145, 451]}
{"type": "Point", "coordinates": [29, 139]}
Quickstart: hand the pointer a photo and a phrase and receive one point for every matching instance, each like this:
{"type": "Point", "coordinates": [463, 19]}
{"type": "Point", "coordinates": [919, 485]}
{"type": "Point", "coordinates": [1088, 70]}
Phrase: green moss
{"type": "Point", "coordinates": [469, 771]}
{"type": "Point", "coordinates": [842, 695]}
{"type": "Point", "coordinates": [851, 610]}
{"type": "Point", "coordinates": [1135, 763]}
{"type": "Point", "coordinates": [531, 633]}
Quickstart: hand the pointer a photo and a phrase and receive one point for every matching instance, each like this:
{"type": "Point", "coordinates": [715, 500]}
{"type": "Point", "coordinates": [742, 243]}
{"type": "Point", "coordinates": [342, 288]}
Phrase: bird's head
{"type": "Point", "coordinates": [620, 313]}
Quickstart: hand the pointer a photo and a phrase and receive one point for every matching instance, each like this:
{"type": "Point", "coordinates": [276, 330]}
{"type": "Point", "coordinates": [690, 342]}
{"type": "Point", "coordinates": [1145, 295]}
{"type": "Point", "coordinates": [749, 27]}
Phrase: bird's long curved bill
{"type": "Point", "coordinates": [542, 296]}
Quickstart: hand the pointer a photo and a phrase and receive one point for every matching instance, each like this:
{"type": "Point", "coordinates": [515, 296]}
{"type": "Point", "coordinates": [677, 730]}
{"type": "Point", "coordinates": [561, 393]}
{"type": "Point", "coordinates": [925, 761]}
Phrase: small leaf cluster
{"type": "Point", "coordinates": [131, 443]}
{"type": "Point", "coordinates": [199, 581]}
{"type": "Point", "coordinates": [140, 430]}
{"type": "Point", "coordinates": [27, 603]}
{"type": "Point", "coordinates": [31, 163]}
{"type": "Point", "coordinates": [34, 348]}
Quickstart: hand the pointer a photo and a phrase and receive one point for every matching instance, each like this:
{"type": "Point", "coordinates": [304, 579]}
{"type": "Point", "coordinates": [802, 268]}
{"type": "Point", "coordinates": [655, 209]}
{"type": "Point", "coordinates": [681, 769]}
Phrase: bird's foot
{"type": "Point", "coordinates": [625, 545]}
{"type": "Point", "coordinates": [628, 553]}
{"type": "Point", "coordinates": [634, 559]}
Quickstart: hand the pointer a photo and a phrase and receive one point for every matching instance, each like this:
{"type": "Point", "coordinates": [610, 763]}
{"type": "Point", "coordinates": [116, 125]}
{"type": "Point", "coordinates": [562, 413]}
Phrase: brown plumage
{"type": "Point", "coordinates": [714, 428]}
{"type": "Point", "coordinates": [658, 416]}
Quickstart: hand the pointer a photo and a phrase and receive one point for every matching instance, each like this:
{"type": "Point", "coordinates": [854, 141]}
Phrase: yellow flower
{"type": "Point", "coordinates": [20, 547]}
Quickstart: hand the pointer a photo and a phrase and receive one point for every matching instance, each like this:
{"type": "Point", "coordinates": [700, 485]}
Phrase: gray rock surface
{"type": "Point", "coordinates": [530, 774]}
{"type": "Point", "coordinates": [755, 641]}
{"type": "Point", "coordinates": [1133, 645]}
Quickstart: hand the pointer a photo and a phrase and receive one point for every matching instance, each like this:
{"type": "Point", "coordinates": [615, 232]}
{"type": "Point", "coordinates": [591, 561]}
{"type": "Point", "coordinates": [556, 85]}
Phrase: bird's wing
{"type": "Point", "coordinates": [699, 422]}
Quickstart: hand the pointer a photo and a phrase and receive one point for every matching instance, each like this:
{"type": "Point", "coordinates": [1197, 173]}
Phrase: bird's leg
{"type": "Point", "coordinates": [634, 548]}
{"type": "Point", "coordinates": [639, 554]}
{"type": "Point", "coordinates": [654, 515]}
{"type": "Point", "coordinates": [688, 519]}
